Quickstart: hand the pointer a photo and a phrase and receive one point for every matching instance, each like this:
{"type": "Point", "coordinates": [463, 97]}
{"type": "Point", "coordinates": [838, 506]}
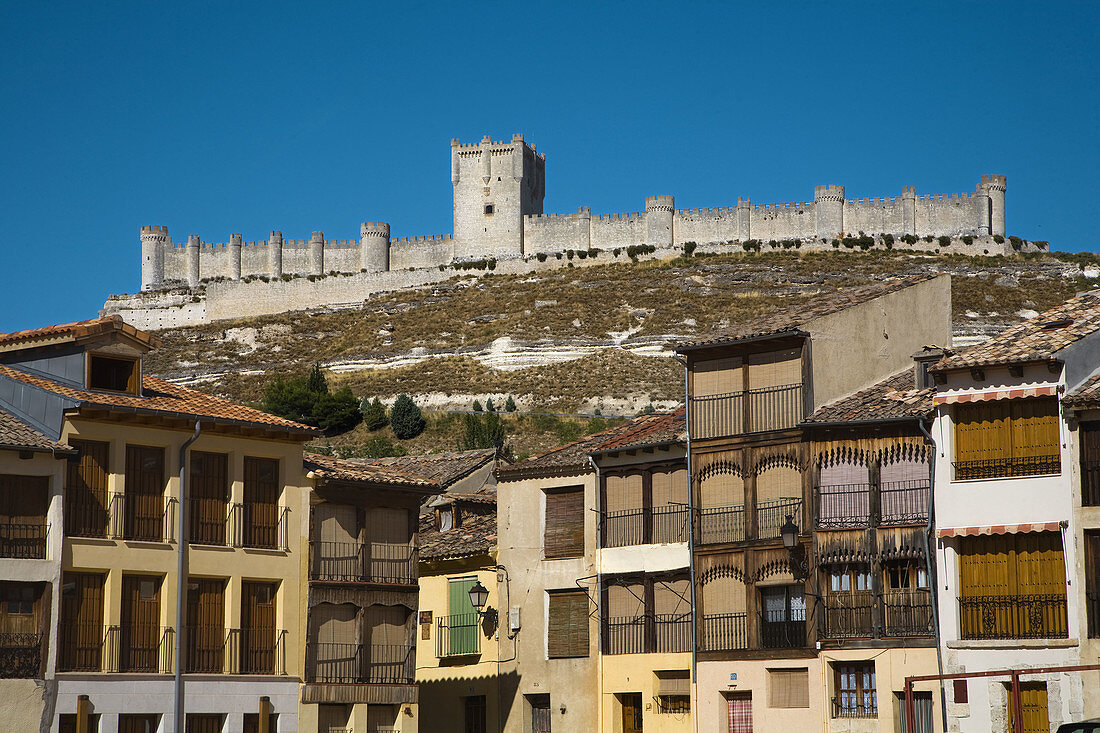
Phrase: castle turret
{"type": "Point", "coordinates": [317, 253]}
{"type": "Point", "coordinates": [744, 219]}
{"type": "Point", "coordinates": [193, 248]}
{"type": "Point", "coordinates": [658, 220]}
{"type": "Point", "coordinates": [993, 185]}
{"type": "Point", "coordinates": [374, 246]}
{"type": "Point", "coordinates": [235, 256]}
{"type": "Point", "coordinates": [154, 241]}
{"type": "Point", "coordinates": [275, 255]}
{"type": "Point", "coordinates": [829, 209]}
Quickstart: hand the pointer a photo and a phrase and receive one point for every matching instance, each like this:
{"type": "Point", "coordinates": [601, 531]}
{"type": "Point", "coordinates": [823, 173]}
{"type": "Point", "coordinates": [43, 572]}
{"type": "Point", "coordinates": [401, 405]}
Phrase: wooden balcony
{"type": "Point", "coordinates": [24, 541]}
{"type": "Point", "coordinates": [724, 632]}
{"type": "Point", "coordinates": [746, 412]}
{"type": "Point", "coordinates": [848, 615]}
{"type": "Point", "coordinates": [1008, 467]}
{"type": "Point", "coordinates": [650, 525]}
{"type": "Point", "coordinates": [665, 633]}
{"type": "Point", "coordinates": [217, 650]}
{"type": "Point", "coordinates": [362, 562]}
{"type": "Point", "coordinates": [118, 648]}
{"type": "Point", "coordinates": [360, 664]}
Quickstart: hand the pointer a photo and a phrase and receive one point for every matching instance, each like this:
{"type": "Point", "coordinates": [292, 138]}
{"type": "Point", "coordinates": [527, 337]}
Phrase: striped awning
{"type": "Point", "coordinates": [996, 394]}
{"type": "Point", "coordinates": [1000, 529]}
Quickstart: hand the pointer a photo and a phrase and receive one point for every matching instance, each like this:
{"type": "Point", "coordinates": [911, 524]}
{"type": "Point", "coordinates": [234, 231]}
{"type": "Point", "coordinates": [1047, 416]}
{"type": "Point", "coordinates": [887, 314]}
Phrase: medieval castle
{"type": "Point", "coordinates": [498, 200]}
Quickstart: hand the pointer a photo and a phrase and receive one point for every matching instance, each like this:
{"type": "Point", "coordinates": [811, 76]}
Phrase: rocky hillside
{"type": "Point", "coordinates": [578, 339]}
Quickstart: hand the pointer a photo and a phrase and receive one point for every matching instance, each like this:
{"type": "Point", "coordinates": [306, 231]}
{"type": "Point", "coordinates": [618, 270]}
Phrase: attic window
{"type": "Point", "coordinates": [114, 374]}
{"type": "Point", "coordinates": [446, 518]}
{"type": "Point", "coordinates": [488, 208]}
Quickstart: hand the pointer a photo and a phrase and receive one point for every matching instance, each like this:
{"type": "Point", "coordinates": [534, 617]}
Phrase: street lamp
{"type": "Point", "coordinates": [795, 550]}
{"type": "Point", "coordinates": [479, 596]}
{"type": "Point", "coordinates": [789, 533]}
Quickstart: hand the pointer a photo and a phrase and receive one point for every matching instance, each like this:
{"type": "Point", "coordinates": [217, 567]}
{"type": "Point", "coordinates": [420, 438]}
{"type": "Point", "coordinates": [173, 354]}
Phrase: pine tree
{"type": "Point", "coordinates": [374, 413]}
{"type": "Point", "coordinates": [405, 418]}
{"type": "Point", "coordinates": [477, 406]}
{"type": "Point", "coordinates": [510, 404]}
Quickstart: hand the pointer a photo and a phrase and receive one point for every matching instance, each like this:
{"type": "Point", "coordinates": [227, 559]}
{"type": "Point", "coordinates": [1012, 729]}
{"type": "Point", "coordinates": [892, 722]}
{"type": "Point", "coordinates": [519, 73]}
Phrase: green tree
{"type": "Point", "coordinates": [509, 404]}
{"type": "Point", "coordinates": [374, 413]}
{"type": "Point", "coordinates": [307, 400]}
{"type": "Point", "coordinates": [482, 431]}
{"type": "Point", "coordinates": [489, 407]}
{"type": "Point", "coordinates": [316, 381]}
{"type": "Point", "coordinates": [477, 406]}
{"type": "Point", "coordinates": [405, 418]}
{"type": "Point", "coordinates": [336, 413]}
{"type": "Point", "coordinates": [289, 398]}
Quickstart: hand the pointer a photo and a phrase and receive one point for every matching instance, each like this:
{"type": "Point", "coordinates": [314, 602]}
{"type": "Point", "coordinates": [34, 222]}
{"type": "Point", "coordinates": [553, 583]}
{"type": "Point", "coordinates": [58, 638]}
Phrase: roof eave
{"type": "Point", "coordinates": [787, 333]}
{"type": "Point", "coordinates": [305, 432]}
{"type": "Point", "coordinates": [856, 423]}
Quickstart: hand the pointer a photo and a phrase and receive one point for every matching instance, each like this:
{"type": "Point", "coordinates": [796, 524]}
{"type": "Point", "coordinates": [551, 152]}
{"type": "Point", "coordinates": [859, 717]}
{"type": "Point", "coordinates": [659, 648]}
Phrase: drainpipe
{"type": "Point", "coordinates": [599, 570]}
{"type": "Point", "coordinates": [928, 555]}
{"type": "Point", "coordinates": [181, 582]}
{"type": "Point", "coordinates": [691, 558]}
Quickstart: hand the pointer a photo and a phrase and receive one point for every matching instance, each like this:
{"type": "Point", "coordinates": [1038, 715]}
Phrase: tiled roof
{"type": "Point", "coordinates": [793, 318]}
{"type": "Point", "coordinates": [353, 469]}
{"type": "Point", "coordinates": [73, 331]}
{"type": "Point", "coordinates": [894, 398]}
{"type": "Point", "coordinates": [16, 434]}
{"type": "Point", "coordinates": [1087, 395]}
{"type": "Point", "coordinates": [441, 468]}
{"type": "Point", "coordinates": [165, 398]}
{"type": "Point", "coordinates": [476, 533]}
{"type": "Point", "coordinates": [572, 456]}
{"type": "Point", "coordinates": [1037, 339]}
{"type": "Point", "coordinates": [660, 429]}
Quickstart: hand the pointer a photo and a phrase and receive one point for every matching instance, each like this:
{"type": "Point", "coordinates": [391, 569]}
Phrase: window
{"type": "Point", "coordinates": [204, 722]}
{"type": "Point", "coordinates": [66, 722]}
{"type": "Point", "coordinates": [564, 532]}
{"type": "Point", "coordinates": [847, 578]}
{"type": "Point", "coordinates": [86, 501]}
{"type": "Point", "coordinates": [458, 631]}
{"type": "Point", "coordinates": [1092, 582]}
{"type": "Point", "coordinates": [789, 688]}
{"type": "Point", "coordinates": [488, 208]}
{"type": "Point", "coordinates": [138, 722]}
{"type": "Point", "coordinates": [23, 503]}
{"type": "Point", "coordinates": [539, 707]}
{"type": "Point", "coordinates": [446, 519]}
{"type": "Point", "coordinates": [567, 624]}
{"type": "Point", "coordinates": [784, 617]}
{"type": "Point", "coordinates": [1012, 586]}
{"type": "Point", "coordinates": [113, 374]}
{"type": "Point", "coordinates": [855, 690]}
{"type": "Point", "coordinates": [144, 497]}
{"type": "Point", "coordinates": [209, 498]}
{"type": "Point", "coordinates": [261, 497]}
{"type": "Point", "coordinates": [17, 599]}
{"type": "Point", "coordinates": [673, 691]}
{"type": "Point", "coordinates": [1006, 438]}
{"type": "Point", "coordinates": [906, 575]}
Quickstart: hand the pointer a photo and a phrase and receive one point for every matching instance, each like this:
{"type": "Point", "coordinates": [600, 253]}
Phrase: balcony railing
{"type": "Point", "coordinates": [24, 541]}
{"type": "Point", "coordinates": [673, 632]}
{"type": "Point", "coordinates": [80, 647]}
{"type": "Point", "coordinates": [667, 633]}
{"type": "Point", "coordinates": [1092, 611]}
{"type": "Point", "coordinates": [363, 562]}
{"type": "Point", "coordinates": [849, 706]}
{"type": "Point", "coordinates": [848, 615]}
{"type": "Point", "coordinates": [751, 411]}
{"type": "Point", "coordinates": [782, 634]}
{"type": "Point", "coordinates": [21, 655]}
{"type": "Point", "coordinates": [206, 649]}
{"type": "Point", "coordinates": [86, 517]}
{"type": "Point", "coordinates": [1013, 617]}
{"type": "Point", "coordinates": [260, 526]}
{"type": "Point", "coordinates": [724, 631]}
{"type": "Point", "coordinates": [908, 612]}
{"type": "Point", "coordinates": [843, 505]}
{"type": "Point", "coordinates": [625, 635]}
{"type": "Point", "coordinates": [771, 515]}
{"type": "Point", "coordinates": [650, 525]}
{"type": "Point", "coordinates": [142, 518]}
{"type": "Point", "coordinates": [121, 648]}
{"type": "Point", "coordinates": [721, 524]}
{"type": "Point", "coordinates": [457, 636]}
{"type": "Point", "coordinates": [1090, 482]}
{"type": "Point", "coordinates": [386, 664]}
{"type": "Point", "coordinates": [208, 522]}
{"type": "Point", "coordinates": [257, 650]}
{"type": "Point", "coordinates": [904, 502]}
{"type": "Point", "coordinates": [1008, 467]}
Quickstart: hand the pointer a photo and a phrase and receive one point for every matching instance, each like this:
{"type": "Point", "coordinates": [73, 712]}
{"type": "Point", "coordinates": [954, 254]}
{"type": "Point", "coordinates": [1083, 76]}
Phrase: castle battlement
{"type": "Point", "coordinates": [499, 187]}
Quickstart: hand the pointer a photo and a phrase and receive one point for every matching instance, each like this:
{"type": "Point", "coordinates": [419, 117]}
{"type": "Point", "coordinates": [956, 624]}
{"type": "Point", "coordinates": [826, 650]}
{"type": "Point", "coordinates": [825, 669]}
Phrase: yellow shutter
{"type": "Point", "coordinates": [1035, 427]}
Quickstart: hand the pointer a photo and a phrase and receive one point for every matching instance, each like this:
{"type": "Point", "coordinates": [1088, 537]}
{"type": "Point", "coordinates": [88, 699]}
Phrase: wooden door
{"type": "Point", "coordinates": [540, 713]}
{"type": "Point", "coordinates": [138, 722]}
{"type": "Point", "coordinates": [258, 627]}
{"type": "Point", "coordinates": [144, 493]}
{"type": "Point", "coordinates": [631, 704]}
{"type": "Point", "coordinates": [739, 712]}
{"type": "Point", "coordinates": [474, 714]}
{"type": "Point", "coordinates": [261, 497]}
{"type": "Point", "coordinates": [204, 723]}
{"type": "Point", "coordinates": [1089, 435]}
{"type": "Point", "coordinates": [139, 636]}
{"type": "Point", "coordinates": [86, 490]}
{"type": "Point", "coordinates": [209, 498]}
{"type": "Point", "coordinates": [1033, 706]}
{"type": "Point", "coordinates": [205, 625]}
{"type": "Point", "coordinates": [81, 622]}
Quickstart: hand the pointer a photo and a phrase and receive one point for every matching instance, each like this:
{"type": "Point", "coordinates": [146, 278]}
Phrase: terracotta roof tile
{"type": "Point", "coordinates": [661, 429]}
{"type": "Point", "coordinates": [1038, 339]}
{"type": "Point", "coordinates": [476, 533]}
{"type": "Point", "coordinates": [1087, 395]}
{"type": "Point", "coordinates": [17, 435]}
{"type": "Point", "coordinates": [76, 330]}
{"type": "Point", "coordinates": [894, 398]}
{"type": "Point", "coordinates": [795, 317]}
{"type": "Point", "coordinates": [352, 469]}
{"type": "Point", "coordinates": [441, 468]}
{"type": "Point", "coordinates": [165, 398]}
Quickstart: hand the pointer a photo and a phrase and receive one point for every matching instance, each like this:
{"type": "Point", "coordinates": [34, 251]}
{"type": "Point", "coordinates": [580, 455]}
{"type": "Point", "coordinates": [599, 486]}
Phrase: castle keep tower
{"type": "Point", "coordinates": [374, 246]}
{"type": "Point", "coordinates": [235, 256]}
{"type": "Point", "coordinates": [658, 220]}
{"type": "Point", "coordinates": [193, 246]}
{"type": "Point", "coordinates": [496, 184]}
{"type": "Point", "coordinates": [317, 253]}
{"type": "Point", "coordinates": [994, 185]}
{"type": "Point", "coordinates": [829, 207]}
{"type": "Point", "coordinates": [154, 241]}
{"type": "Point", "coordinates": [275, 255]}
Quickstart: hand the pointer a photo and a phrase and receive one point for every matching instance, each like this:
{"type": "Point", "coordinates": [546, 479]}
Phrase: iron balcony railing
{"type": "Point", "coordinates": [217, 650]}
{"type": "Point", "coordinates": [1014, 617]}
{"type": "Point", "coordinates": [118, 648]}
{"type": "Point", "coordinates": [649, 525]}
{"type": "Point", "coordinates": [724, 631]}
{"type": "Point", "coordinates": [1090, 483]}
{"type": "Point", "coordinates": [1092, 612]}
{"type": "Point", "coordinates": [843, 505]}
{"type": "Point", "coordinates": [80, 647]}
{"type": "Point", "coordinates": [363, 562]}
{"type": "Point", "coordinates": [908, 612]}
{"type": "Point", "coordinates": [142, 518]}
{"type": "Point", "coordinates": [260, 526]}
{"type": "Point", "coordinates": [374, 664]}
{"type": "Point", "coordinates": [24, 541]}
{"type": "Point", "coordinates": [750, 411]}
{"type": "Point", "coordinates": [208, 521]}
{"type": "Point", "coordinates": [457, 635]}
{"type": "Point", "coordinates": [21, 655]}
{"type": "Point", "coordinates": [87, 517]}
{"type": "Point", "coordinates": [849, 705]}
{"type": "Point", "coordinates": [848, 615]}
{"type": "Point", "coordinates": [1008, 467]}
{"type": "Point", "coordinates": [771, 515]}
{"type": "Point", "coordinates": [903, 502]}
{"type": "Point", "coordinates": [666, 633]}
{"type": "Point", "coordinates": [788, 634]}
{"type": "Point", "coordinates": [721, 524]}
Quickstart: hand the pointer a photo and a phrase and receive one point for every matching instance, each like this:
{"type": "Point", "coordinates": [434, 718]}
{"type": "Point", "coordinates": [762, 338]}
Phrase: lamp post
{"type": "Point", "coordinates": [797, 553]}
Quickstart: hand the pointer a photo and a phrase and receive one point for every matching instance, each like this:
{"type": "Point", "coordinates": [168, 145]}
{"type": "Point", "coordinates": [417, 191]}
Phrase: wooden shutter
{"type": "Point", "coordinates": [209, 497]}
{"type": "Point", "coordinates": [717, 377]}
{"type": "Point", "coordinates": [386, 525]}
{"type": "Point", "coordinates": [258, 627]}
{"type": "Point", "coordinates": [670, 487]}
{"type": "Point", "coordinates": [567, 624]}
{"type": "Point", "coordinates": [624, 493]}
{"type": "Point", "coordinates": [261, 496]}
{"type": "Point", "coordinates": [672, 597]}
{"type": "Point", "coordinates": [723, 594]}
{"type": "Point", "coordinates": [86, 489]}
{"type": "Point", "coordinates": [81, 621]}
{"type": "Point", "coordinates": [789, 688]}
{"type": "Point", "coordinates": [145, 493]}
{"type": "Point", "coordinates": [775, 369]}
{"type": "Point", "coordinates": [205, 624]}
{"type": "Point", "coordinates": [1034, 427]}
{"type": "Point", "coordinates": [1092, 563]}
{"type": "Point", "coordinates": [564, 534]}
{"type": "Point", "coordinates": [982, 432]}
{"type": "Point", "coordinates": [140, 630]}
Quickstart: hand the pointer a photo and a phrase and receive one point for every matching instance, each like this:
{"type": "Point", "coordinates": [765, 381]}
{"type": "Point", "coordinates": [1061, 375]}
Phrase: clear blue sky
{"type": "Point", "coordinates": [214, 118]}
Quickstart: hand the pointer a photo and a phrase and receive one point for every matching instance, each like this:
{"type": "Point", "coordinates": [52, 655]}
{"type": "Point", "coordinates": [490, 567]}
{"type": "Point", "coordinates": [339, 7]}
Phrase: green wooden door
{"type": "Point", "coordinates": [462, 624]}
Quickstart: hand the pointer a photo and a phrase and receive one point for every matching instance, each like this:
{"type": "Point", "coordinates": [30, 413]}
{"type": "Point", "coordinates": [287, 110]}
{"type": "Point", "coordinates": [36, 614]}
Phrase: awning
{"type": "Point", "coordinates": [996, 394]}
{"type": "Point", "coordinates": [1001, 529]}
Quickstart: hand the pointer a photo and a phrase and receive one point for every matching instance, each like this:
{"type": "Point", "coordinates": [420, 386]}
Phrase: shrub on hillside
{"type": "Point", "coordinates": [405, 418]}
{"type": "Point", "coordinates": [337, 412]}
{"type": "Point", "coordinates": [510, 404]}
{"type": "Point", "coordinates": [689, 248]}
{"type": "Point", "coordinates": [482, 431]}
{"type": "Point", "coordinates": [998, 239]}
{"type": "Point", "coordinates": [374, 413]}
{"type": "Point", "coordinates": [308, 400]}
